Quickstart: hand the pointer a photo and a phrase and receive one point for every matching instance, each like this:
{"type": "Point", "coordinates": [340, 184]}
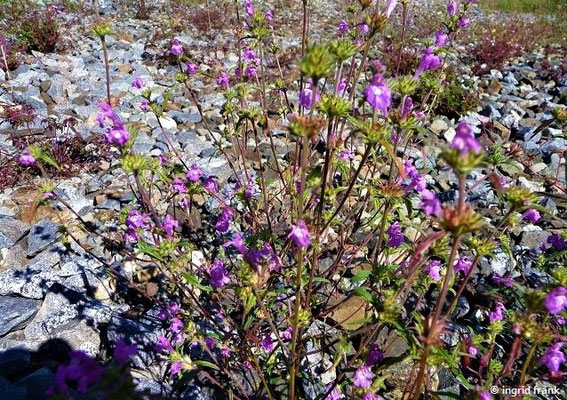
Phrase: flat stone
{"type": "Point", "coordinates": [15, 312]}
{"type": "Point", "coordinates": [438, 126]}
{"type": "Point", "coordinates": [13, 361]}
{"type": "Point", "coordinates": [41, 236]}
{"type": "Point", "coordinates": [13, 229]}
{"type": "Point", "coordinates": [36, 384]}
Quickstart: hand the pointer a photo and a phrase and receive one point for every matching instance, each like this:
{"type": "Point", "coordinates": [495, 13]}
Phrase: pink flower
{"type": "Point", "coordinates": [531, 215]}
{"type": "Point", "coordinates": [464, 22]}
{"type": "Point", "coordinates": [464, 140]}
{"type": "Point", "coordinates": [556, 300]}
{"type": "Point", "coordinates": [176, 47]}
{"type": "Point", "coordinates": [269, 15]}
{"type": "Point", "coordinates": [378, 94]}
{"type": "Point", "coordinates": [485, 395]}
{"type": "Point", "coordinates": [123, 352]}
{"type": "Point", "coordinates": [363, 29]}
{"type": "Point", "coordinates": [341, 86]}
{"type": "Point", "coordinates": [169, 225]}
{"type": "Point", "coordinates": [210, 184]}
{"type": "Point", "coordinates": [553, 357]}
{"type": "Point", "coordinates": [137, 220]}
{"type": "Point", "coordinates": [163, 344]}
{"type": "Point", "coordinates": [407, 108]}
{"type": "Point", "coordinates": [370, 396]}
{"type": "Point", "coordinates": [26, 159]}
{"type": "Point", "coordinates": [117, 134]}
{"type": "Point", "coordinates": [238, 243]}
{"type": "Point", "coordinates": [362, 377]}
{"type": "Point", "coordinates": [300, 234]}
{"type": "Point", "coordinates": [433, 269]}
{"type": "Point", "coordinates": [288, 333]}
{"type": "Point", "coordinates": [251, 71]}
{"type": "Point", "coordinates": [267, 344]}
{"type": "Point", "coordinates": [145, 105]}
{"type": "Point", "coordinates": [249, 7]}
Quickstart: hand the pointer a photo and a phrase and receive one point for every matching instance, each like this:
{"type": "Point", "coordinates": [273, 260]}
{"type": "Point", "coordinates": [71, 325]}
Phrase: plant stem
{"type": "Point", "coordinates": [106, 67]}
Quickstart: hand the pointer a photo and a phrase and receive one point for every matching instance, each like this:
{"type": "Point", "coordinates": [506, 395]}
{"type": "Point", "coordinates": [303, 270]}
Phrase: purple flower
{"type": "Point", "coordinates": [169, 225]}
{"type": "Point", "coordinates": [428, 61]}
{"type": "Point", "coordinates": [123, 351]}
{"type": "Point", "coordinates": [463, 265]}
{"type": "Point", "coordinates": [145, 105]}
{"type": "Point", "coordinates": [238, 243]}
{"type": "Point", "coordinates": [497, 314]}
{"type": "Point", "coordinates": [251, 71]}
{"type": "Point", "coordinates": [334, 394]}
{"type": "Point", "coordinates": [210, 184]}
{"type": "Point", "coordinates": [504, 281]}
{"type": "Point", "coordinates": [250, 56]}
{"type": "Point", "coordinates": [218, 275]}
{"type": "Point", "coordinates": [174, 308]}
{"type": "Point", "coordinates": [485, 395]}
{"type": "Point", "coordinates": [430, 204]}
{"type": "Point", "coordinates": [224, 220]}
{"type": "Point", "coordinates": [26, 159]}
{"type": "Point", "coordinates": [191, 68]}
{"type": "Point", "coordinates": [223, 80]}
{"type": "Point", "coordinates": [267, 344]}
{"type": "Point", "coordinates": [225, 352]}
{"type": "Point", "coordinates": [136, 220]}
{"type": "Point", "coordinates": [306, 98]}
{"type": "Point", "coordinates": [363, 29]}
{"type": "Point", "coordinates": [176, 47]}
{"type": "Point", "coordinates": [557, 241]}
{"type": "Point", "coordinates": [343, 27]}
{"type": "Point", "coordinates": [195, 173]}
{"type": "Point", "coordinates": [378, 94]}
{"type": "Point", "coordinates": [464, 22]}
{"type": "Point", "coordinates": [391, 6]}
{"type": "Point", "coordinates": [346, 155]}
{"type": "Point", "coordinates": [300, 234]}
{"type": "Point", "coordinates": [553, 357]}
{"type": "Point", "coordinates": [137, 83]}
{"type": "Point", "coordinates": [250, 191]}
{"type": "Point", "coordinates": [362, 377]}
{"type": "Point", "coordinates": [131, 236]}
{"type": "Point", "coordinates": [117, 134]}
{"type": "Point", "coordinates": [556, 300]}
{"type": "Point", "coordinates": [163, 344]}
{"type": "Point", "coordinates": [176, 368]}
{"type": "Point", "coordinates": [433, 269]}
{"type": "Point", "coordinates": [531, 215]}
{"type": "Point", "coordinates": [341, 86]}
{"type": "Point", "coordinates": [175, 325]}
{"type": "Point", "coordinates": [407, 108]}
{"type": "Point", "coordinates": [441, 38]}
{"type": "Point", "coordinates": [375, 355]}
{"type": "Point", "coordinates": [81, 370]}
{"type": "Point", "coordinates": [249, 7]}
{"type": "Point", "coordinates": [464, 140]}
{"type": "Point", "coordinates": [452, 7]}
{"type": "Point", "coordinates": [395, 236]}
{"type": "Point", "coordinates": [288, 333]}
{"type": "Point", "coordinates": [269, 15]}
{"type": "Point", "coordinates": [210, 342]}
{"type": "Point", "coordinates": [179, 186]}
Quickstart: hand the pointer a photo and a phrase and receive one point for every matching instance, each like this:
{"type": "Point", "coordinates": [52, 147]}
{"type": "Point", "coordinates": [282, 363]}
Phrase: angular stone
{"type": "Point", "coordinates": [9, 391]}
{"type": "Point", "coordinates": [41, 236]}
{"type": "Point", "coordinates": [13, 361]}
{"type": "Point", "coordinates": [143, 334]}
{"type": "Point", "coordinates": [15, 312]}
{"type": "Point", "coordinates": [13, 229]}
{"type": "Point", "coordinates": [36, 384]}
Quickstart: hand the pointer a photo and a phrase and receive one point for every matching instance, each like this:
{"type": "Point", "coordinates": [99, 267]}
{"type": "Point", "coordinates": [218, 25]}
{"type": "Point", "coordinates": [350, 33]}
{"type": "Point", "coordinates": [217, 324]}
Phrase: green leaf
{"type": "Point", "coordinates": [361, 276]}
{"type": "Point", "coordinates": [364, 293]}
{"type": "Point", "coordinates": [321, 280]}
{"type": "Point", "coordinates": [207, 364]}
{"type": "Point", "coordinates": [192, 280]}
{"type": "Point", "coordinates": [149, 250]}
